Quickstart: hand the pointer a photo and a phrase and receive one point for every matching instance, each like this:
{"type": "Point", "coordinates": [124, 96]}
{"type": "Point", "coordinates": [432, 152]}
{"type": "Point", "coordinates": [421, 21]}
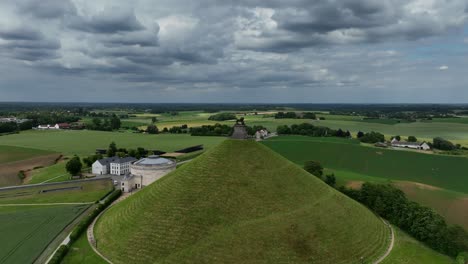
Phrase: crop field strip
{"type": "Point", "coordinates": [26, 231]}
{"type": "Point", "coordinates": [448, 172]}
{"type": "Point", "coordinates": [66, 192]}
{"type": "Point", "coordinates": [246, 217]}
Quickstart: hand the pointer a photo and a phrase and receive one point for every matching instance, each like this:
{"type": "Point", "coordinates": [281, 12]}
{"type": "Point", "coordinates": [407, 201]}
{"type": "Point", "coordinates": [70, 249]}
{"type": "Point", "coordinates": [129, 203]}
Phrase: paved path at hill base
{"type": "Point", "coordinates": [90, 231]}
{"type": "Point", "coordinates": [390, 247]}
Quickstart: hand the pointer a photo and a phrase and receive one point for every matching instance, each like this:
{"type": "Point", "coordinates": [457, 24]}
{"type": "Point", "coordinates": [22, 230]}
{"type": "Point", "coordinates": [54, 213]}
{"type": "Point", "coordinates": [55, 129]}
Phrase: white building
{"type": "Point", "coordinates": [411, 145]}
{"type": "Point", "coordinates": [261, 134]}
{"type": "Point", "coordinates": [56, 126]}
{"type": "Point", "coordinates": [113, 166]}
{"type": "Point", "coordinates": [146, 171]}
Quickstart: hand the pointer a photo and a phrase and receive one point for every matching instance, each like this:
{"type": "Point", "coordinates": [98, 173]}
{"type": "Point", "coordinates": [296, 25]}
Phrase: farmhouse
{"type": "Point", "coordinates": [48, 126]}
{"type": "Point", "coordinates": [145, 171]}
{"type": "Point", "coordinates": [56, 126]}
{"type": "Point", "coordinates": [412, 145]}
{"type": "Point", "coordinates": [112, 165]}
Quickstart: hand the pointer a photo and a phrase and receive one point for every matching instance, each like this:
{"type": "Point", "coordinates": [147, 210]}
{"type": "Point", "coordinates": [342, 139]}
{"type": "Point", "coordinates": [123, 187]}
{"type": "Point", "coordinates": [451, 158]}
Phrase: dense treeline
{"type": "Point", "coordinates": [305, 115]}
{"type": "Point", "coordinates": [8, 127]}
{"type": "Point", "coordinates": [442, 144]}
{"type": "Point", "coordinates": [419, 221]}
{"type": "Point", "coordinates": [307, 129]}
{"type": "Point", "coordinates": [106, 124]}
{"type": "Point", "coordinates": [221, 130]}
{"type": "Point", "coordinates": [222, 117]}
{"type": "Point", "coordinates": [183, 129]}
{"type": "Point", "coordinates": [44, 118]}
{"type": "Point", "coordinates": [371, 137]}
{"type": "Point", "coordinates": [211, 130]}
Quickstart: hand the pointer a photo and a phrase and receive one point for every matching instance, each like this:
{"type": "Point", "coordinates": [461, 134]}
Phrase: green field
{"type": "Point", "coordinates": [84, 142]}
{"type": "Point", "coordinates": [408, 251]}
{"type": "Point", "coordinates": [67, 192]}
{"type": "Point", "coordinates": [27, 230]}
{"type": "Point", "coordinates": [81, 252]}
{"type": "Point", "coordinates": [53, 173]}
{"type": "Point", "coordinates": [240, 203]}
{"type": "Point", "coordinates": [448, 172]}
{"type": "Point", "coordinates": [11, 153]}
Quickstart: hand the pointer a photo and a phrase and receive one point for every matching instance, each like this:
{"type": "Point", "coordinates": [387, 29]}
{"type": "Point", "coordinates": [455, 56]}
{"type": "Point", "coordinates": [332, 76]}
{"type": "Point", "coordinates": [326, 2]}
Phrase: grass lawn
{"type": "Point", "coordinates": [407, 250]}
{"type": "Point", "coordinates": [447, 172]}
{"type": "Point", "coordinates": [27, 230]}
{"type": "Point", "coordinates": [50, 172]}
{"type": "Point", "coordinates": [81, 252]}
{"type": "Point", "coordinates": [67, 192]}
{"type": "Point", "coordinates": [84, 142]}
{"type": "Point", "coordinates": [240, 203]}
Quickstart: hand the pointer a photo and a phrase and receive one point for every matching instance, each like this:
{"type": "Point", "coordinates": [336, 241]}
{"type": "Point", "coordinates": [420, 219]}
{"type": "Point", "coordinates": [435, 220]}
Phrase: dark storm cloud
{"type": "Point", "coordinates": [112, 20]}
{"type": "Point", "coordinates": [326, 22]}
{"type": "Point", "coordinates": [27, 44]}
{"type": "Point", "coordinates": [46, 9]}
{"type": "Point", "coordinates": [272, 46]}
{"type": "Point", "coordinates": [20, 33]}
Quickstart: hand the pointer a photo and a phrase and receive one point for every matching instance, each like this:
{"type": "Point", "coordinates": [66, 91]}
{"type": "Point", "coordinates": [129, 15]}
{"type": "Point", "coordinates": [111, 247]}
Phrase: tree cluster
{"type": "Point", "coordinates": [307, 129]}
{"type": "Point", "coordinates": [106, 124]}
{"type": "Point", "coordinates": [176, 129]}
{"type": "Point", "coordinates": [8, 127]}
{"type": "Point", "coordinates": [315, 168]}
{"type": "Point", "coordinates": [122, 152]}
{"type": "Point", "coordinates": [211, 130]}
{"type": "Point", "coordinates": [371, 137]}
{"type": "Point", "coordinates": [152, 129]}
{"type": "Point", "coordinates": [222, 117]}
{"type": "Point", "coordinates": [294, 115]}
{"type": "Point", "coordinates": [442, 144]}
{"type": "Point", "coordinates": [419, 221]}
{"type": "Point", "coordinates": [74, 166]}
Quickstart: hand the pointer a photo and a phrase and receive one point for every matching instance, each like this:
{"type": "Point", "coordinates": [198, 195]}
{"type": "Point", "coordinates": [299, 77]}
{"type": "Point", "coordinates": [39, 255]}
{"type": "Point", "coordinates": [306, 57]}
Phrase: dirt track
{"type": "Point", "coordinates": [9, 171]}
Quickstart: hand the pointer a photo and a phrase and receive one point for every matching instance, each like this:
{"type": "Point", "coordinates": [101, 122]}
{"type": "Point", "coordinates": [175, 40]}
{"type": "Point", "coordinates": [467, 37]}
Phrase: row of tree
{"type": "Point", "coordinates": [307, 129]}
{"type": "Point", "coordinates": [370, 137]}
{"type": "Point", "coordinates": [222, 117]}
{"type": "Point", "coordinates": [421, 222]}
{"type": "Point", "coordinates": [294, 115]}
{"type": "Point", "coordinates": [106, 124]}
{"type": "Point", "coordinates": [9, 127]}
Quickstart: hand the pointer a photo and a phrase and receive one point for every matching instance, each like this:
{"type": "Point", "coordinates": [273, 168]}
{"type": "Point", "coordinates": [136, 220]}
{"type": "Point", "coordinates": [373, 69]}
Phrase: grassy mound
{"type": "Point", "coordinates": [240, 203]}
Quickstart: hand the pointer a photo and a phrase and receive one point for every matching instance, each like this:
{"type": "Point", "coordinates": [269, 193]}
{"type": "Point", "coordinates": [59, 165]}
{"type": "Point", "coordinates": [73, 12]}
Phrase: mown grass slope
{"type": "Point", "coordinates": [448, 172]}
{"type": "Point", "coordinates": [407, 250]}
{"type": "Point", "coordinates": [240, 203]}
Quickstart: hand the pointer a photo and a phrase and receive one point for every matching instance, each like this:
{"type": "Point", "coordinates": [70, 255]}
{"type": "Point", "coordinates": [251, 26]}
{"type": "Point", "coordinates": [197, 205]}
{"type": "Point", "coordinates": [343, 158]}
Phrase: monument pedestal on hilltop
{"type": "Point", "coordinates": [240, 130]}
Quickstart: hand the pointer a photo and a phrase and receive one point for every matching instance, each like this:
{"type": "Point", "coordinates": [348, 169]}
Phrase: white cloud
{"type": "Point", "coordinates": [443, 67]}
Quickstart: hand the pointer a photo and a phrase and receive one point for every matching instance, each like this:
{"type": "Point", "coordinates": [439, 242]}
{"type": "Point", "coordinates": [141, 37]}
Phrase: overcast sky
{"type": "Point", "coordinates": [287, 51]}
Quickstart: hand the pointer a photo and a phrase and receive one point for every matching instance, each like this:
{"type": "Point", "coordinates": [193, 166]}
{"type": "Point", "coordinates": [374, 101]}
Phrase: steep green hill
{"type": "Point", "coordinates": [240, 203]}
